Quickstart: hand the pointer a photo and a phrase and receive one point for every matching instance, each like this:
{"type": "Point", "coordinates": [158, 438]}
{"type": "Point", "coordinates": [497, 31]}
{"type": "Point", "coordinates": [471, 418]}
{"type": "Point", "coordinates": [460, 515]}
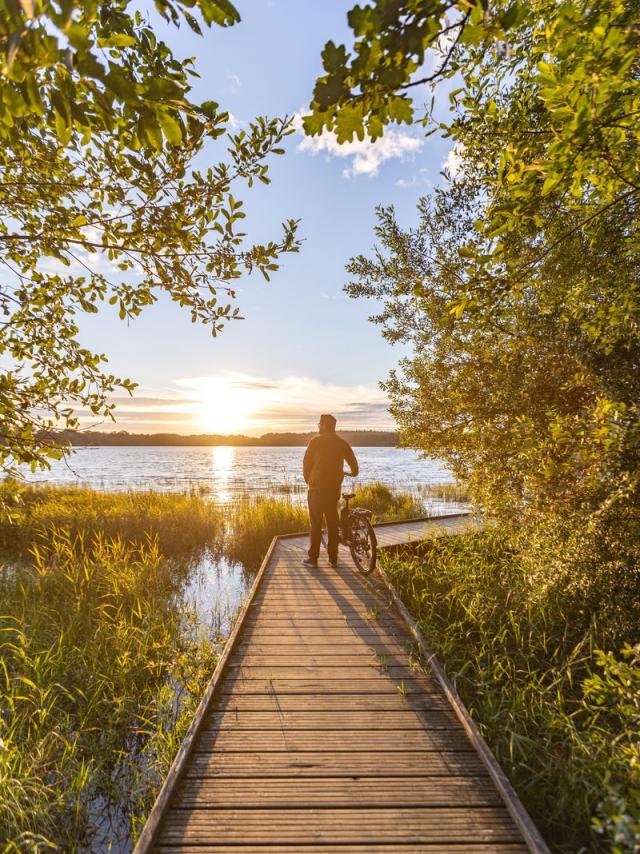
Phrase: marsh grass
{"type": "Point", "coordinates": [561, 717]}
{"type": "Point", "coordinates": [99, 677]}
{"type": "Point", "coordinates": [182, 523]}
{"type": "Point", "coordinates": [445, 492]}
{"type": "Point", "coordinates": [253, 522]}
{"type": "Point", "coordinates": [386, 504]}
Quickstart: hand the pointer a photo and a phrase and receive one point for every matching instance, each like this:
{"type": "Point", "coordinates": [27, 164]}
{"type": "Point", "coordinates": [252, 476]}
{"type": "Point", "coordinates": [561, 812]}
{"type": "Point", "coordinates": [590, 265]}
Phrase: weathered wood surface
{"type": "Point", "coordinates": [322, 730]}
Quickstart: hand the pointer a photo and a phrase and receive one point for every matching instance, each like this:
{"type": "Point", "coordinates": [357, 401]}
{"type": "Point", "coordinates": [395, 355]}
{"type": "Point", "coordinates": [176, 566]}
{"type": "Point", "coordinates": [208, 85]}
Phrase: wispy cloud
{"type": "Point", "coordinates": [366, 157]}
{"type": "Point", "coordinates": [243, 403]}
{"type": "Point", "coordinates": [418, 179]}
{"type": "Point", "coordinates": [235, 81]}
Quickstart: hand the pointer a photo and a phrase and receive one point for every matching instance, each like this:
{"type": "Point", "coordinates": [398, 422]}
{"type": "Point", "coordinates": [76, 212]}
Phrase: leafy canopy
{"type": "Point", "coordinates": [101, 200]}
{"type": "Point", "coordinates": [538, 235]}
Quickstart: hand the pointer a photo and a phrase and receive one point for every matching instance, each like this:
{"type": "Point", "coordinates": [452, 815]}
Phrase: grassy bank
{"type": "Point", "coordinates": [181, 523]}
{"type": "Point", "coordinates": [561, 717]}
{"type": "Point", "coordinates": [92, 647]}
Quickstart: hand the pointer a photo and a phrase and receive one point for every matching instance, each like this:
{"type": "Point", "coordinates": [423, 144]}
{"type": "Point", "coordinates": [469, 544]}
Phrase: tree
{"type": "Point", "coordinates": [539, 294]}
{"type": "Point", "coordinates": [101, 200]}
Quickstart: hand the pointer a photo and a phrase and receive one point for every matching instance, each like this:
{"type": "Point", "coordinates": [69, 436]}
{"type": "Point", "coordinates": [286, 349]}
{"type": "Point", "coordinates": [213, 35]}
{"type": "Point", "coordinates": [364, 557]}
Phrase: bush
{"type": "Point", "coordinates": [561, 718]}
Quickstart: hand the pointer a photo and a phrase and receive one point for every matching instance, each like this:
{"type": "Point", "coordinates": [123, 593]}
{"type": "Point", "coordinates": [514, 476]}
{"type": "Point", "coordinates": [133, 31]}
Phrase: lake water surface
{"type": "Point", "coordinates": [226, 473]}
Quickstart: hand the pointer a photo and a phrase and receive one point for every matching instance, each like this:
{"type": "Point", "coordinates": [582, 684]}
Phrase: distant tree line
{"type": "Point", "coordinates": [358, 438]}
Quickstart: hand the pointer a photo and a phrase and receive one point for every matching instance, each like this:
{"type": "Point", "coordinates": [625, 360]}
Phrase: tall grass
{"type": "Point", "coordinates": [253, 522]}
{"type": "Point", "coordinates": [561, 717]}
{"type": "Point", "coordinates": [92, 647]}
{"type": "Point", "coordinates": [182, 523]}
{"type": "Point", "coordinates": [386, 504]}
{"type": "Point", "coordinates": [445, 492]}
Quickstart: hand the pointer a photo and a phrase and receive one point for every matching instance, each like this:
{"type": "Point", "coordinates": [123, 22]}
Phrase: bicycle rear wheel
{"type": "Point", "coordinates": [363, 544]}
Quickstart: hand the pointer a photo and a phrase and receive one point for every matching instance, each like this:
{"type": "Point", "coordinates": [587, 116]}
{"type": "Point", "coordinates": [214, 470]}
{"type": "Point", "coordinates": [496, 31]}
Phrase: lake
{"type": "Point", "coordinates": [226, 473]}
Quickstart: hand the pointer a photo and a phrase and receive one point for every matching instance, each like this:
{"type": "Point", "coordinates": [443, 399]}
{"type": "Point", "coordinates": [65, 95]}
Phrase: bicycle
{"type": "Point", "coordinates": [356, 531]}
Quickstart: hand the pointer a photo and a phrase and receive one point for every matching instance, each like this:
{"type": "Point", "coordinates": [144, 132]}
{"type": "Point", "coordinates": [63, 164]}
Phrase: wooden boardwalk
{"type": "Point", "coordinates": [320, 731]}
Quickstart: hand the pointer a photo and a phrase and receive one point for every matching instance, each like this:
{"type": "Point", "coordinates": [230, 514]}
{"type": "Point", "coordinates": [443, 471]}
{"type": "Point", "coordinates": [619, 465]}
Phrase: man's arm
{"type": "Point", "coordinates": [307, 461]}
{"type": "Point", "coordinates": [350, 458]}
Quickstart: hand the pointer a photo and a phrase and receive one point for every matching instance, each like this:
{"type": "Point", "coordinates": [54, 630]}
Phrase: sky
{"type": "Point", "coordinates": [304, 347]}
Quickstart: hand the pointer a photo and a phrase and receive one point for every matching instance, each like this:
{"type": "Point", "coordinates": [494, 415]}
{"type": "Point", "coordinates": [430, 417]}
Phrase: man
{"type": "Point", "coordinates": [323, 472]}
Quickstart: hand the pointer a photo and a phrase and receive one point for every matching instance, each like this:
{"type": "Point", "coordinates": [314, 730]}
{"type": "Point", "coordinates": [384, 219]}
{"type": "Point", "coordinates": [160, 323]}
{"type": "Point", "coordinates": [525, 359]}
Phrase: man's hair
{"type": "Point", "coordinates": [328, 422]}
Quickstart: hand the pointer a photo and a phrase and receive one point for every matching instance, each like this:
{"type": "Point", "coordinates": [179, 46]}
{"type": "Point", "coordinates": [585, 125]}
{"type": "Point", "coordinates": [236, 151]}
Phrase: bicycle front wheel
{"type": "Point", "coordinates": [363, 544]}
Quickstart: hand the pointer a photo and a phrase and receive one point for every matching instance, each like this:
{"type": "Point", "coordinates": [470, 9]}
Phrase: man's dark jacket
{"type": "Point", "coordinates": [324, 459]}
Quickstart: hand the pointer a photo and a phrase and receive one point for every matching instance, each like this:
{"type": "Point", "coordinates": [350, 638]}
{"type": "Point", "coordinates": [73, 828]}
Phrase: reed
{"type": "Point", "coordinates": [561, 717]}
{"type": "Point", "coordinates": [182, 523]}
{"type": "Point", "coordinates": [253, 522]}
{"type": "Point", "coordinates": [445, 492]}
{"type": "Point", "coordinates": [386, 504]}
{"type": "Point", "coordinates": [100, 673]}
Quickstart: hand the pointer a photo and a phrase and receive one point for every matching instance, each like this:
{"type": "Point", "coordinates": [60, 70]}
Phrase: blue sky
{"type": "Point", "coordinates": [304, 347]}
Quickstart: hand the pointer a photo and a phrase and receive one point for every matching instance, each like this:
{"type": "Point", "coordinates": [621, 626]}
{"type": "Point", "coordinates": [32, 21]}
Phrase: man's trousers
{"type": "Point", "coordinates": [323, 504]}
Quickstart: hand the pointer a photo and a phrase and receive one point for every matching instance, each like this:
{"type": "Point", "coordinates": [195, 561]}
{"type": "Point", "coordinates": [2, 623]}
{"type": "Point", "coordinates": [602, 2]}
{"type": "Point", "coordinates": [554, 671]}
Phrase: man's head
{"type": "Point", "coordinates": [327, 424]}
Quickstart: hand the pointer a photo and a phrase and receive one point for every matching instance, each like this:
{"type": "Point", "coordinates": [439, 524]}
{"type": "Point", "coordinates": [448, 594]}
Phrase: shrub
{"type": "Point", "coordinates": [561, 718]}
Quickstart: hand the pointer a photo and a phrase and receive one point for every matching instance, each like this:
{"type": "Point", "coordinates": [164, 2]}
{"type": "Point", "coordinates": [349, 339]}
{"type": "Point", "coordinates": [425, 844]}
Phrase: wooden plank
{"type": "Point", "coordinates": [330, 648]}
{"type": "Point", "coordinates": [335, 703]}
{"type": "Point", "coordinates": [338, 791]}
{"type": "Point", "coordinates": [282, 685]}
{"type": "Point", "coordinates": [369, 848]}
{"type": "Point", "coordinates": [346, 741]}
{"type": "Point", "coordinates": [397, 824]}
{"type": "Point", "coordinates": [324, 622]}
{"type": "Point", "coordinates": [323, 764]}
{"type": "Point", "coordinates": [321, 721]}
{"type": "Point", "coordinates": [365, 657]}
{"type": "Point", "coordinates": [367, 672]}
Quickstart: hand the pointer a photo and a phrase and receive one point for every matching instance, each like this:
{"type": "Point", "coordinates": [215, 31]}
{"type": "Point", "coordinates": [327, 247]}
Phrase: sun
{"type": "Point", "coordinates": [224, 407]}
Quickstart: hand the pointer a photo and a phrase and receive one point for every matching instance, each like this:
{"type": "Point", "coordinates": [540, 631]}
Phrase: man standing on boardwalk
{"type": "Point", "coordinates": [323, 469]}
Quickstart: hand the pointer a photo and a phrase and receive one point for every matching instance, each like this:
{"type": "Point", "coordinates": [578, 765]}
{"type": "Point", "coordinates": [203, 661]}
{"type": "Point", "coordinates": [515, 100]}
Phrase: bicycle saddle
{"type": "Point", "coordinates": [348, 495]}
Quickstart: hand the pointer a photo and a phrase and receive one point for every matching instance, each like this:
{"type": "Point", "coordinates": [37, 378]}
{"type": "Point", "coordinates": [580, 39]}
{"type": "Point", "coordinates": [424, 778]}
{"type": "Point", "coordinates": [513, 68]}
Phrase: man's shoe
{"type": "Point", "coordinates": [333, 564]}
{"type": "Point", "coordinates": [311, 564]}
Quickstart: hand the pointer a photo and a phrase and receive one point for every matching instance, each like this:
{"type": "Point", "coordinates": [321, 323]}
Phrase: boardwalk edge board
{"type": "Point", "coordinates": [152, 825]}
{"type": "Point", "coordinates": [522, 820]}
{"type": "Point", "coordinates": [516, 809]}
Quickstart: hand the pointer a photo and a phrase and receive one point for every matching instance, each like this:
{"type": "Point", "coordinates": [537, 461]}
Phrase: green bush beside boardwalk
{"type": "Point", "coordinates": [561, 717]}
{"type": "Point", "coordinates": [102, 664]}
